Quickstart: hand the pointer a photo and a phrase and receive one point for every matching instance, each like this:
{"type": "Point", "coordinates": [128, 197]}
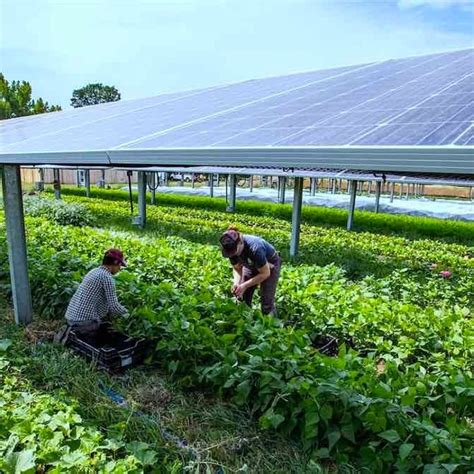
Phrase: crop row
{"type": "Point", "coordinates": [411, 411]}
{"type": "Point", "coordinates": [401, 268]}
{"type": "Point", "coordinates": [408, 226]}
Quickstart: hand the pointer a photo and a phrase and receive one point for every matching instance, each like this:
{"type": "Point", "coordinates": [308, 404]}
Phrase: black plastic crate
{"type": "Point", "coordinates": [109, 349]}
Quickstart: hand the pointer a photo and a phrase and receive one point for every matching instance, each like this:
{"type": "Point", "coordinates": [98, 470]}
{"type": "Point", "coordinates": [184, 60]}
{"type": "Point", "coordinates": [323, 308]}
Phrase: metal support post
{"type": "Point", "coordinates": [378, 188]}
{"type": "Point", "coordinates": [39, 185]}
{"type": "Point", "coordinates": [17, 256]}
{"type": "Point", "coordinates": [296, 217]}
{"type": "Point", "coordinates": [57, 183]}
{"type": "Point", "coordinates": [193, 179]}
{"type": "Point", "coordinates": [313, 186]}
{"type": "Point", "coordinates": [102, 179]}
{"type": "Point", "coordinates": [211, 185]}
{"type": "Point", "coordinates": [87, 182]}
{"type": "Point", "coordinates": [333, 190]}
{"type": "Point", "coordinates": [182, 179]}
{"type": "Point", "coordinates": [251, 184]}
{"type": "Point", "coordinates": [353, 193]}
{"type": "Point", "coordinates": [78, 178]}
{"type": "Point", "coordinates": [153, 188]}
{"type": "Point", "coordinates": [218, 179]}
{"type": "Point", "coordinates": [281, 189]}
{"type": "Point", "coordinates": [141, 199]}
{"type": "Point", "coordinates": [392, 190]}
{"type": "Point", "coordinates": [232, 193]}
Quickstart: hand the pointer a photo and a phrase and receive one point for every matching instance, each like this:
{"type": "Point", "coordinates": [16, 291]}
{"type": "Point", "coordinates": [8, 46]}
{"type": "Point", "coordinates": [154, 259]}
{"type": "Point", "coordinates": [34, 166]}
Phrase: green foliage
{"type": "Point", "coordinates": [384, 224]}
{"type": "Point", "coordinates": [16, 101]}
{"type": "Point", "coordinates": [61, 212]}
{"type": "Point", "coordinates": [44, 433]}
{"type": "Point", "coordinates": [343, 408]}
{"type": "Point", "coordinates": [94, 94]}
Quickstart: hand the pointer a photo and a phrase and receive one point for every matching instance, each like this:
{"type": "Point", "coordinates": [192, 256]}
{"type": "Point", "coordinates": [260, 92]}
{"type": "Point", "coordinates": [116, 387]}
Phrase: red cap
{"type": "Point", "coordinates": [117, 255]}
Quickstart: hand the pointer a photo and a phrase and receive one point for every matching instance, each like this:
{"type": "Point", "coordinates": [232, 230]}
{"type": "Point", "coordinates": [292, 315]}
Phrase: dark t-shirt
{"type": "Point", "coordinates": [255, 254]}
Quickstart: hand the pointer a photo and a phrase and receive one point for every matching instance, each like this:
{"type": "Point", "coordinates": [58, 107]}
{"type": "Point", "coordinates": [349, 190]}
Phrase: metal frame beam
{"type": "Point", "coordinates": [413, 159]}
{"type": "Point", "coordinates": [16, 239]}
{"type": "Point", "coordinates": [296, 217]}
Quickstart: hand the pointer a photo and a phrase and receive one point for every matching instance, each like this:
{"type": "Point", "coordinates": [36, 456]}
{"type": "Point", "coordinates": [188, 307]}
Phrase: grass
{"type": "Point", "coordinates": [224, 437]}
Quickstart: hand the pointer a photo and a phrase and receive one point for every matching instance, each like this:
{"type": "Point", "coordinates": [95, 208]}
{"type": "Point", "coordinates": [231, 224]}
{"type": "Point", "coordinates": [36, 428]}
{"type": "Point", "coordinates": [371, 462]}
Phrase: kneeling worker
{"type": "Point", "coordinates": [95, 298]}
{"type": "Point", "coordinates": [255, 262]}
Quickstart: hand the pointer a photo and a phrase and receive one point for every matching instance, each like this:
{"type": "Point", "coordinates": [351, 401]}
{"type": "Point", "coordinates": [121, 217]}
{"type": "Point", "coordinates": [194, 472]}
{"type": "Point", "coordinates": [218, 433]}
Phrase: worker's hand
{"type": "Point", "coordinates": [239, 290]}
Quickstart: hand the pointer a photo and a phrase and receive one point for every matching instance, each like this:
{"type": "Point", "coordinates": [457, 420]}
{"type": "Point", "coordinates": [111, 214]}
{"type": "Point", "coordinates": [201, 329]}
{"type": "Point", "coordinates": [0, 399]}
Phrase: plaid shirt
{"type": "Point", "coordinates": [95, 298]}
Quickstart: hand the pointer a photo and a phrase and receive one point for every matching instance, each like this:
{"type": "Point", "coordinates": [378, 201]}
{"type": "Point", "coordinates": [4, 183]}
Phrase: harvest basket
{"type": "Point", "coordinates": [109, 349]}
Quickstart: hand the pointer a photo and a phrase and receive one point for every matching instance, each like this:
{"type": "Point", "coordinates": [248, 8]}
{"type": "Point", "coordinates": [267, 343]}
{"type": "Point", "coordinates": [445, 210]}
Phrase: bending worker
{"type": "Point", "coordinates": [255, 262]}
{"type": "Point", "coordinates": [95, 299]}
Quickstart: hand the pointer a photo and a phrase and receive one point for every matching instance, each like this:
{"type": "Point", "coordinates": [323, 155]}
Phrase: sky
{"type": "Point", "coordinates": [146, 47]}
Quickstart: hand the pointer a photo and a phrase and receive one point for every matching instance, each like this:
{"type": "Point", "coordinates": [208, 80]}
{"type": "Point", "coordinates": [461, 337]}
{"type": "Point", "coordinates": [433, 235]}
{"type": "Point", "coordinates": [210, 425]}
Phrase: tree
{"type": "Point", "coordinates": [94, 94]}
{"type": "Point", "coordinates": [16, 101]}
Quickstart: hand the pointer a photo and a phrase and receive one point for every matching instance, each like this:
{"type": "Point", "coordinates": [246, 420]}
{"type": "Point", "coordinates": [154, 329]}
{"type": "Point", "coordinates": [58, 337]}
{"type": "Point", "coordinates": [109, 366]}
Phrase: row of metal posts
{"type": "Point", "coordinates": [231, 206]}
{"type": "Point", "coordinates": [15, 228]}
{"type": "Point", "coordinates": [232, 181]}
{"type": "Point", "coordinates": [411, 188]}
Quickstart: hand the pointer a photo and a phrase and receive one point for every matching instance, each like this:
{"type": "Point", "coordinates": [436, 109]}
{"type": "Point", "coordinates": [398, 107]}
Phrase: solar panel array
{"type": "Point", "coordinates": [425, 100]}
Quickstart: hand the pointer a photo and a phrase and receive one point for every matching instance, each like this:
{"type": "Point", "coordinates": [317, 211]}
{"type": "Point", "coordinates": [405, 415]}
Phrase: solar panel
{"type": "Point", "coordinates": [426, 100]}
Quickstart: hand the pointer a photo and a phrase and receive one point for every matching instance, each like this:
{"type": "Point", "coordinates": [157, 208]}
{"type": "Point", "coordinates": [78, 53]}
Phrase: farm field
{"type": "Point", "coordinates": [398, 294]}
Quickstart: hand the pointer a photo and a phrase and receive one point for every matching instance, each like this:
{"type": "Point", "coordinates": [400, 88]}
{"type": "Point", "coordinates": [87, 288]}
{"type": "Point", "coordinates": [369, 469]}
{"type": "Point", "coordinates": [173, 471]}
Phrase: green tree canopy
{"type": "Point", "coordinates": [94, 94]}
{"type": "Point", "coordinates": [16, 101]}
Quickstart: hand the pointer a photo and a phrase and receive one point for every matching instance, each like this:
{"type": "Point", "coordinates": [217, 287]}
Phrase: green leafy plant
{"type": "Point", "coordinates": [61, 212]}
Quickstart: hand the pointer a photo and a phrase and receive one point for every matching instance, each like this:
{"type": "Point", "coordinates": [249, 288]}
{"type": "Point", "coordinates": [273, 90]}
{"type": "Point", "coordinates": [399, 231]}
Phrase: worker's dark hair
{"type": "Point", "coordinates": [107, 260]}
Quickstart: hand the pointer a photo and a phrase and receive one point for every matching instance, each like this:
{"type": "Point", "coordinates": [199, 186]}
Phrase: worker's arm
{"type": "Point", "coordinates": [237, 271]}
{"type": "Point", "coordinates": [262, 275]}
{"type": "Point", "coordinates": [114, 308]}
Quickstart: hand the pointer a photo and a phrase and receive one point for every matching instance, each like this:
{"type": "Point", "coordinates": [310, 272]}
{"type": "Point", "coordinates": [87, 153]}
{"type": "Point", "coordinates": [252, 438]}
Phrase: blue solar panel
{"type": "Point", "coordinates": [466, 137]}
{"type": "Point", "coordinates": [427, 100]}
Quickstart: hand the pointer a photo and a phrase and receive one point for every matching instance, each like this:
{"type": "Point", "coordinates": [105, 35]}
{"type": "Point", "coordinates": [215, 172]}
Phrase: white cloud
{"type": "Point", "coordinates": [464, 4]}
